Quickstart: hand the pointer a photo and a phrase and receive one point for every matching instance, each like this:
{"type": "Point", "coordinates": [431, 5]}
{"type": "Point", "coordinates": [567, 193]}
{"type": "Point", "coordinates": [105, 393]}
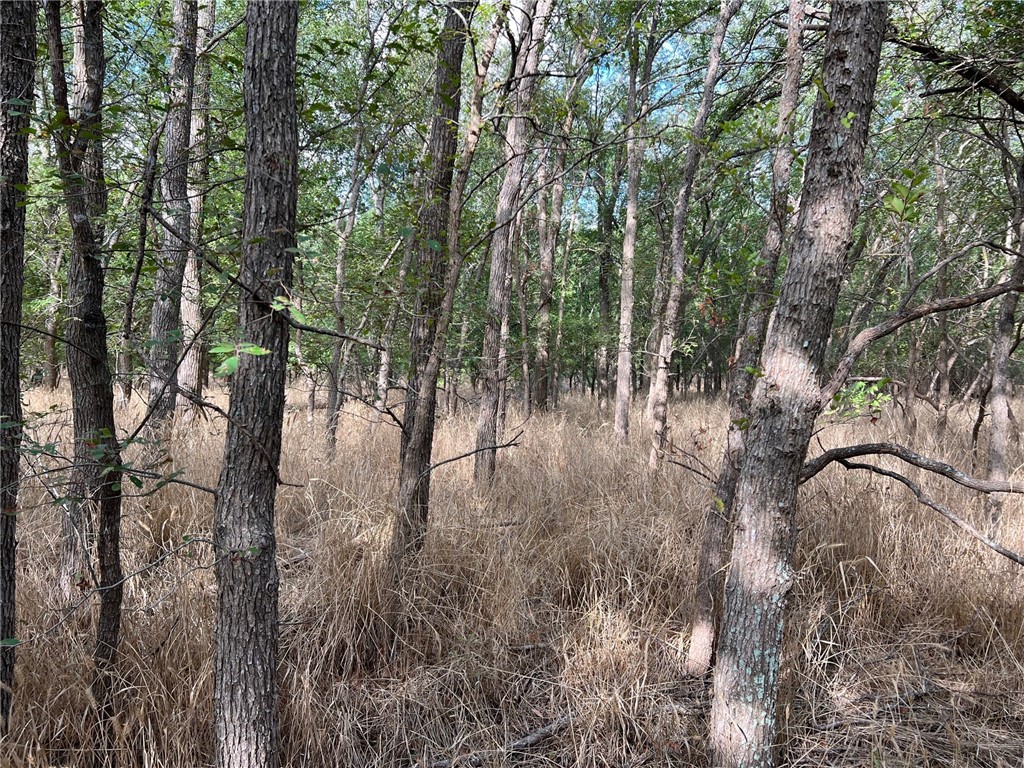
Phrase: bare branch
{"type": "Point", "coordinates": [814, 466]}
{"type": "Point", "coordinates": [866, 337]}
{"type": "Point", "coordinates": [954, 518]}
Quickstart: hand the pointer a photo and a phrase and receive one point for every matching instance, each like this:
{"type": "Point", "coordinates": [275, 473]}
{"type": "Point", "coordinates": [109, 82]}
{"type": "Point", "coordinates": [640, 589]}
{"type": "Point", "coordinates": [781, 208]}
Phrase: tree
{"type": "Point", "coordinates": [658, 396]}
{"type": "Point", "coordinates": [245, 654]}
{"type": "Point", "coordinates": [165, 327]}
{"type": "Point", "coordinates": [749, 346]}
{"type": "Point", "coordinates": [535, 20]}
{"type": "Point", "coordinates": [190, 372]}
{"type": "Point", "coordinates": [17, 71]}
{"type": "Point", "coordinates": [636, 108]}
{"type": "Point", "coordinates": [788, 395]}
{"type": "Point", "coordinates": [436, 279]}
{"type": "Point", "coordinates": [96, 477]}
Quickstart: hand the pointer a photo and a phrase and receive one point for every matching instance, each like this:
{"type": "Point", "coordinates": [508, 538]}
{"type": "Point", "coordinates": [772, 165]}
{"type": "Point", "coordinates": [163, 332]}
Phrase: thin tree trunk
{"type": "Point", "coordinates": [165, 325]}
{"type": "Point", "coordinates": [788, 396]}
{"type": "Point", "coordinates": [536, 17]}
{"type": "Point", "coordinates": [96, 477]}
{"type": "Point", "coordinates": [245, 652]}
{"type": "Point", "coordinates": [346, 226]}
{"type": "Point", "coordinates": [436, 286]}
{"type": "Point", "coordinates": [750, 345]}
{"type": "Point", "coordinates": [943, 357]}
{"type": "Point", "coordinates": [1001, 389]}
{"type": "Point", "coordinates": [636, 110]}
{"type": "Point", "coordinates": [17, 70]}
{"type": "Point", "coordinates": [549, 229]}
{"type": "Point", "coordinates": [680, 217]}
{"type": "Point", "coordinates": [127, 340]}
{"type": "Point", "coordinates": [190, 379]}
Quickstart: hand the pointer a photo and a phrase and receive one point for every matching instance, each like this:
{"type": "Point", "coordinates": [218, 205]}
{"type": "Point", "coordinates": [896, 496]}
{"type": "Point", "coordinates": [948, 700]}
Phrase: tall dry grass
{"type": "Point", "coordinates": [562, 596]}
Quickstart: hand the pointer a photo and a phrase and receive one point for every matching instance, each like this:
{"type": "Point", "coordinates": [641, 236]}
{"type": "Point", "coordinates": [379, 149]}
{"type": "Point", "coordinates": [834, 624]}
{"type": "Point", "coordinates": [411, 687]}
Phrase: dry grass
{"type": "Point", "coordinates": [565, 591]}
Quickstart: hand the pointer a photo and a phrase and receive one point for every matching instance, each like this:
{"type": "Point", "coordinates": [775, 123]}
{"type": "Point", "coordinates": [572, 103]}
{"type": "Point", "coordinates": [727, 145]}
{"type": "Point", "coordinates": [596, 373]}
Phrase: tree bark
{"type": "Point", "coordinates": [165, 326]}
{"type": "Point", "coordinates": [245, 654]}
{"type": "Point", "coordinates": [1001, 388]}
{"type": "Point", "coordinates": [788, 396]}
{"type": "Point", "coordinates": [190, 378]}
{"type": "Point", "coordinates": [536, 17]}
{"type": "Point", "coordinates": [636, 109]}
{"type": "Point", "coordinates": [680, 217]}
{"type": "Point", "coordinates": [750, 345]}
{"type": "Point", "coordinates": [96, 477]}
{"type": "Point", "coordinates": [17, 70]}
{"type": "Point", "coordinates": [346, 226]}
{"type": "Point", "coordinates": [436, 287]}
{"type": "Point", "coordinates": [549, 228]}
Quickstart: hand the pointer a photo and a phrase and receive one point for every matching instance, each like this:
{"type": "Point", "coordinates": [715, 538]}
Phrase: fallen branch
{"type": "Point", "coordinates": [958, 521]}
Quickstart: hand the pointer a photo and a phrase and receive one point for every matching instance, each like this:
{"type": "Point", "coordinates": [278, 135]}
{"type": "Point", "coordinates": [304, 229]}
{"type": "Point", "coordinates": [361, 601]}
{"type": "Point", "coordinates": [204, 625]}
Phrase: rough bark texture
{"type": "Point", "coordinates": [245, 654]}
{"type": "Point", "coordinates": [190, 379]}
{"type": "Point", "coordinates": [95, 486]}
{"type": "Point", "coordinates": [714, 547]}
{"type": "Point", "coordinates": [17, 68]}
{"type": "Point", "coordinates": [658, 406]}
{"type": "Point", "coordinates": [536, 17]}
{"type": "Point", "coordinates": [789, 396]}
{"type": "Point", "coordinates": [165, 326]}
{"type": "Point", "coordinates": [431, 271]}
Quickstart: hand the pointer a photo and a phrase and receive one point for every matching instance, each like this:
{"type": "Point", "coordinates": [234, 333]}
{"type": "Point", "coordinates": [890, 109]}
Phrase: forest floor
{"type": "Point", "coordinates": [559, 600]}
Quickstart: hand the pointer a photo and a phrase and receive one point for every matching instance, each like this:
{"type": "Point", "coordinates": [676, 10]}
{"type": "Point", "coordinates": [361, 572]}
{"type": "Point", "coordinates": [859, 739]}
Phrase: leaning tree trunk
{"type": "Point", "coordinates": [17, 69]}
{"type": "Point", "coordinates": [432, 274]}
{"type": "Point", "coordinates": [190, 378]}
{"type": "Point", "coordinates": [96, 477]}
{"type": "Point", "coordinates": [658, 396]}
{"type": "Point", "coordinates": [788, 396]}
{"type": "Point", "coordinates": [245, 652]}
{"type": "Point", "coordinates": [761, 292]}
{"type": "Point", "coordinates": [165, 325]}
{"type": "Point", "coordinates": [536, 19]}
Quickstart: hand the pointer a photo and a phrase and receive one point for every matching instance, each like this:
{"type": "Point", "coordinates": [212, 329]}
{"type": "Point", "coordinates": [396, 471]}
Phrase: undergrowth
{"type": "Point", "coordinates": [560, 598]}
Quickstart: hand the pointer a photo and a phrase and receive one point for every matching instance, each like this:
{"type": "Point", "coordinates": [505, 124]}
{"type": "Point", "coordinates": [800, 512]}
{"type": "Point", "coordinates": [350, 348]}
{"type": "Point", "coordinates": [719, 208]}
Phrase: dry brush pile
{"type": "Point", "coordinates": [559, 601]}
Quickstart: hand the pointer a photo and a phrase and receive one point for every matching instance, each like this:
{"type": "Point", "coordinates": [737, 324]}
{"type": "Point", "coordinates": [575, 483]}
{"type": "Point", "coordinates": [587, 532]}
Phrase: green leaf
{"type": "Point", "coordinates": [253, 349]}
{"type": "Point", "coordinates": [10, 642]}
{"type": "Point", "coordinates": [221, 349]}
{"type": "Point", "coordinates": [227, 368]}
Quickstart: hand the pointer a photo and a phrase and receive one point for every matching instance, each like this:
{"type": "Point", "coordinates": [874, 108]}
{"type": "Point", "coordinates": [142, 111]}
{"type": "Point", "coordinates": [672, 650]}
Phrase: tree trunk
{"type": "Point", "coordinates": [549, 228]}
{"type": "Point", "coordinates": [346, 225]}
{"type": "Point", "coordinates": [536, 17]}
{"type": "Point", "coordinates": [636, 109]}
{"type": "Point", "coordinates": [1001, 388]}
{"type": "Point", "coordinates": [127, 341]}
{"type": "Point", "coordinates": [190, 379]}
{"type": "Point", "coordinates": [435, 288]}
{"type": "Point", "coordinates": [165, 326]}
{"type": "Point", "coordinates": [658, 396]}
{"type": "Point", "coordinates": [788, 396]}
{"type": "Point", "coordinates": [17, 69]}
{"type": "Point", "coordinates": [717, 528]}
{"type": "Point", "coordinates": [245, 654]}
{"type": "Point", "coordinates": [96, 478]}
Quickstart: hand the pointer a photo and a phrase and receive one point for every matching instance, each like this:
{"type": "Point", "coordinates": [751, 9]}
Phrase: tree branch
{"type": "Point", "coordinates": [866, 337]}
{"type": "Point", "coordinates": [958, 65]}
{"type": "Point", "coordinates": [955, 519]}
{"type": "Point", "coordinates": [814, 466]}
